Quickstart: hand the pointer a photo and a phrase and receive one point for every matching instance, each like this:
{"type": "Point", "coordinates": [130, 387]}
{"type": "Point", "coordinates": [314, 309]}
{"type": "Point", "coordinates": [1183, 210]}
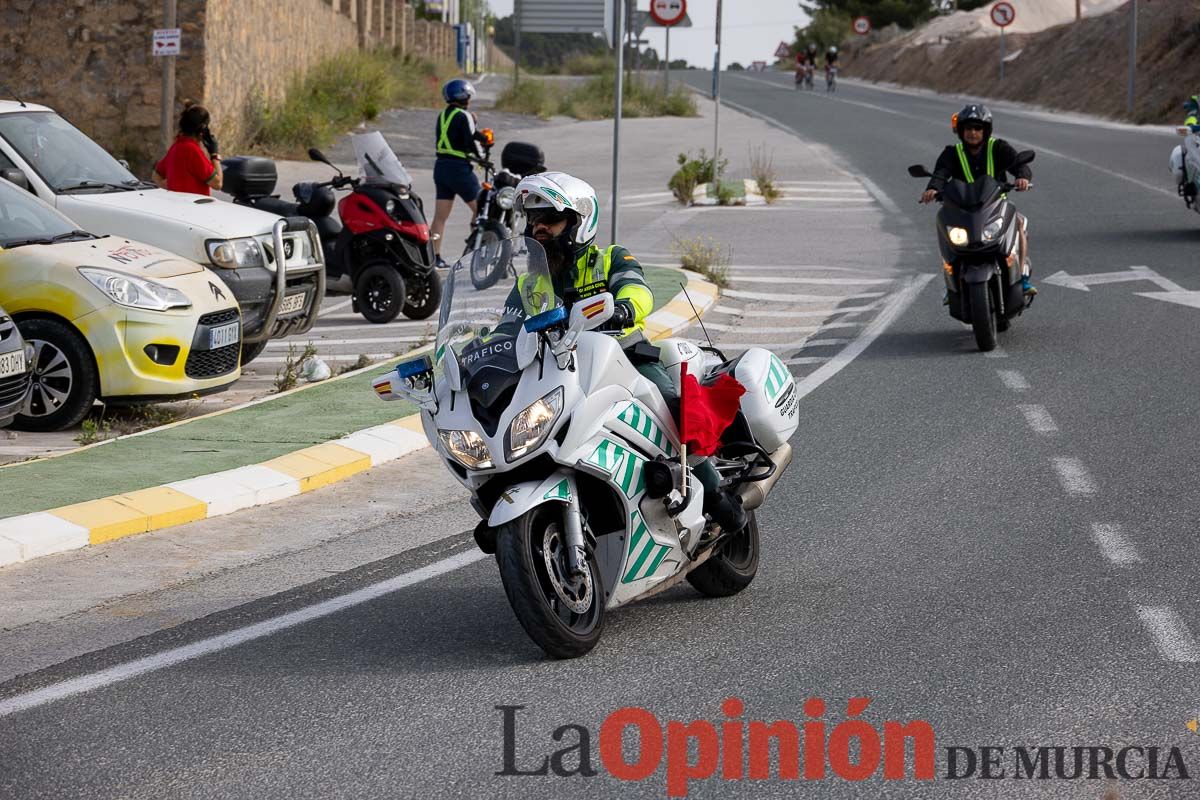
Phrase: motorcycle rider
{"type": "Point", "coordinates": [1186, 188]}
{"type": "Point", "coordinates": [563, 215]}
{"type": "Point", "coordinates": [977, 153]}
{"type": "Point", "coordinates": [457, 145]}
{"type": "Point", "coordinates": [831, 57]}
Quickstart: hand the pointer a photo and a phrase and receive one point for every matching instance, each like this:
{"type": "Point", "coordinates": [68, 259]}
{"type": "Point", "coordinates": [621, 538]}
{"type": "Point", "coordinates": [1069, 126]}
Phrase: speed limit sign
{"type": "Point", "coordinates": [862, 26]}
{"type": "Point", "coordinates": [1003, 14]}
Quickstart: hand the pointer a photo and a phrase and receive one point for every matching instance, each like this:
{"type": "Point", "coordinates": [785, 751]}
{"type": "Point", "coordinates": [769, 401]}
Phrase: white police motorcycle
{"type": "Point", "coordinates": [574, 460]}
{"type": "Point", "coordinates": [1185, 166]}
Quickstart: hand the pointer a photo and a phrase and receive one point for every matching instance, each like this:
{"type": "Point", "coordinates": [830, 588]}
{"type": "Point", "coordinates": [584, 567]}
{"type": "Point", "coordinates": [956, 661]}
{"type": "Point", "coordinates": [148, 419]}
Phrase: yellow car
{"type": "Point", "coordinates": [108, 318]}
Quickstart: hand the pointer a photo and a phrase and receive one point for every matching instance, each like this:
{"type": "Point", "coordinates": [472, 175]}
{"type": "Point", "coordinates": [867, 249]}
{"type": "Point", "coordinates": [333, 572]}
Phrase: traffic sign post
{"type": "Point", "coordinates": [862, 25]}
{"type": "Point", "coordinates": [1003, 15]}
{"type": "Point", "coordinates": [782, 51]}
{"type": "Point", "coordinates": [668, 14]}
{"type": "Point", "coordinates": [166, 43]}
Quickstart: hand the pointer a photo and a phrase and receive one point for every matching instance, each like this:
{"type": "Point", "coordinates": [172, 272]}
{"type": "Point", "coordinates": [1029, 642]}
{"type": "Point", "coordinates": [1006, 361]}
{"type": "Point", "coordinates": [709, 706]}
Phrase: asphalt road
{"type": "Point", "coordinates": [1000, 546]}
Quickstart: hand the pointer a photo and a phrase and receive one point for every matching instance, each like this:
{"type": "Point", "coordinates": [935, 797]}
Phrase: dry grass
{"type": "Point", "coordinates": [705, 255]}
{"type": "Point", "coordinates": [762, 169]}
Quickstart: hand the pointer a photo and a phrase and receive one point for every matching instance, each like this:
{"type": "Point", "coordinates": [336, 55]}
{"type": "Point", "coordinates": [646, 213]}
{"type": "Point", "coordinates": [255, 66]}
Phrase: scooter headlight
{"type": "Point", "coordinates": [993, 229]}
{"type": "Point", "coordinates": [530, 428]}
{"type": "Point", "coordinates": [506, 197]}
{"type": "Point", "coordinates": [468, 448]}
{"type": "Point", "coordinates": [390, 208]}
{"type": "Point", "coordinates": [958, 236]}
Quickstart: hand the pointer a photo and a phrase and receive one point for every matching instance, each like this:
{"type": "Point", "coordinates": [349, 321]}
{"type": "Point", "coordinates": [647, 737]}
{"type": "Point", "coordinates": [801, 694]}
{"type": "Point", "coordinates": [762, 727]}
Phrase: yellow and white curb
{"type": "Point", "coordinates": [44, 533]}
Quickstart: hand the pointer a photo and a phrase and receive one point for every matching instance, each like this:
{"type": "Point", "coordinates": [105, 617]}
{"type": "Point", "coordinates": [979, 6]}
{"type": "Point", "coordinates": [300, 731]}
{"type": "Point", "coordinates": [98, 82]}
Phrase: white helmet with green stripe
{"type": "Point", "coordinates": [563, 192]}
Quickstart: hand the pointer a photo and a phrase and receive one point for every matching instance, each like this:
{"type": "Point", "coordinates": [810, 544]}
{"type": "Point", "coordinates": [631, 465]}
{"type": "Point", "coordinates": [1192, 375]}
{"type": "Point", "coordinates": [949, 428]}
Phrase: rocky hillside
{"type": "Point", "coordinates": [1078, 66]}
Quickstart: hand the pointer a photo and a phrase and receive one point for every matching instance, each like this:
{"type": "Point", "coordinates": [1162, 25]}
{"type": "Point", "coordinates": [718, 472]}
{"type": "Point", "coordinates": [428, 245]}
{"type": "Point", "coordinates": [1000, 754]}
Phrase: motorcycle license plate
{"type": "Point", "coordinates": [224, 336]}
{"type": "Point", "coordinates": [12, 364]}
{"type": "Point", "coordinates": [292, 303]}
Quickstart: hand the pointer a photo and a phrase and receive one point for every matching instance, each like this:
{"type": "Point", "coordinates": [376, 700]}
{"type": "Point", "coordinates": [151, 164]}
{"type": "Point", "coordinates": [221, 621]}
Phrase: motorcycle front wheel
{"type": "Point", "coordinates": [379, 292]}
{"type": "Point", "coordinates": [983, 321]}
{"type": "Point", "coordinates": [732, 567]}
{"type": "Point", "coordinates": [423, 295]}
{"type": "Point", "coordinates": [487, 272]}
{"type": "Point", "coordinates": [563, 614]}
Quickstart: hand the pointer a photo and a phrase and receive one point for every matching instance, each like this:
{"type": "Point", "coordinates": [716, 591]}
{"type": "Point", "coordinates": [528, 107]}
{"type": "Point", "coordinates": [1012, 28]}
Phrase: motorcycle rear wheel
{"type": "Point", "coordinates": [531, 554]}
{"type": "Point", "coordinates": [486, 274]}
{"type": "Point", "coordinates": [983, 320]}
{"type": "Point", "coordinates": [423, 295]}
{"type": "Point", "coordinates": [733, 567]}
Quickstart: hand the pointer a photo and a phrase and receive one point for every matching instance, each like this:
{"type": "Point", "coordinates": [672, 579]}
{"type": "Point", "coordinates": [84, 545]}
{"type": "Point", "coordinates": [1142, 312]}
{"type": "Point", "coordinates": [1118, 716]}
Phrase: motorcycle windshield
{"type": "Point", "coordinates": [487, 297]}
{"type": "Point", "coordinates": [971, 196]}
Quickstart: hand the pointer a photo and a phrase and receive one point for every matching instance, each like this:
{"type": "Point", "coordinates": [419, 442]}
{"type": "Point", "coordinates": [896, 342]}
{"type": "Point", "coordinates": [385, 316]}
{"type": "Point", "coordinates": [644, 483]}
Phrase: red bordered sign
{"type": "Point", "coordinates": [1003, 14]}
{"type": "Point", "coordinates": [668, 12]}
{"type": "Point", "coordinates": [862, 26]}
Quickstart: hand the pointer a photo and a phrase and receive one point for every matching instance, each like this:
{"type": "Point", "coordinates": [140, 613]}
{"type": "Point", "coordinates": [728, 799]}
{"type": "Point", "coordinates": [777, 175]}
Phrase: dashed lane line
{"type": "Point", "coordinates": [1170, 633]}
{"type": "Point", "coordinates": [1013, 380]}
{"type": "Point", "coordinates": [1114, 545]}
{"type": "Point", "coordinates": [1039, 419]}
{"type": "Point", "coordinates": [999, 352]}
{"type": "Point", "coordinates": [1073, 476]}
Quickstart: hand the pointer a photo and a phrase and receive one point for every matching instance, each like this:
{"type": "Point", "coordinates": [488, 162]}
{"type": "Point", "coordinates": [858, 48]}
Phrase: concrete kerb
{"type": "Point", "coordinates": [57, 530]}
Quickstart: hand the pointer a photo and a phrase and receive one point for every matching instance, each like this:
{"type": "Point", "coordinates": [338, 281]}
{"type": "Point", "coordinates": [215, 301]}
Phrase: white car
{"type": "Point", "coordinates": [44, 153]}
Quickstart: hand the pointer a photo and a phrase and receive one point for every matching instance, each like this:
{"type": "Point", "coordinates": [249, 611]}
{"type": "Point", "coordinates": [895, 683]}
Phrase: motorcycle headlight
{"type": "Point", "coordinates": [958, 236]}
{"type": "Point", "coordinates": [126, 290]}
{"type": "Point", "coordinates": [530, 428]}
{"type": "Point", "coordinates": [390, 208]}
{"type": "Point", "coordinates": [468, 448]}
{"type": "Point", "coordinates": [993, 229]}
{"type": "Point", "coordinates": [234, 253]}
{"type": "Point", "coordinates": [506, 197]}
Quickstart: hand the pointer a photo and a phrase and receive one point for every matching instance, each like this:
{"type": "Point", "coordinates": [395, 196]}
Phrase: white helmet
{"type": "Point", "coordinates": [563, 192]}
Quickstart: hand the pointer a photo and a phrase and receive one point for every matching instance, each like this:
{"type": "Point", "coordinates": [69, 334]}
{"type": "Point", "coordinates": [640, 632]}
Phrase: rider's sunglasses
{"type": "Point", "coordinates": [547, 216]}
{"type": "Point", "coordinates": [970, 126]}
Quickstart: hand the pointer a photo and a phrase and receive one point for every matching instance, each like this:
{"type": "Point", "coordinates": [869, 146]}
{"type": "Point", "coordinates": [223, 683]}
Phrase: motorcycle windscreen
{"type": "Point", "coordinates": [972, 196]}
{"type": "Point", "coordinates": [472, 316]}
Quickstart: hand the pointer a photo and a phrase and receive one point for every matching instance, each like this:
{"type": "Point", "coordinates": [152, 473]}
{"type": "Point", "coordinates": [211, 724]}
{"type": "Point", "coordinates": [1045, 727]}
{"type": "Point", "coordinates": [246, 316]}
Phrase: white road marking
{"type": "Point", "coordinates": [795, 199]}
{"type": "Point", "coordinates": [717, 326]}
{"type": "Point", "coordinates": [1013, 380]}
{"type": "Point", "coordinates": [815, 281]}
{"type": "Point", "coordinates": [999, 352]}
{"type": "Point", "coordinates": [1073, 476]}
{"type": "Point", "coordinates": [775, 297]}
{"type": "Point", "coordinates": [1170, 634]}
{"type": "Point", "coordinates": [283, 345]}
{"type": "Point", "coordinates": [799, 360]}
{"type": "Point", "coordinates": [1039, 419]}
{"type": "Point", "coordinates": [324, 357]}
{"type": "Point", "coordinates": [335, 307]}
{"type": "Point", "coordinates": [818, 183]}
{"type": "Point", "coordinates": [888, 204]}
{"type": "Point", "coordinates": [1113, 544]}
{"type": "Point", "coordinates": [225, 641]}
{"type": "Point", "coordinates": [825, 312]}
{"type": "Point", "coordinates": [408, 326]}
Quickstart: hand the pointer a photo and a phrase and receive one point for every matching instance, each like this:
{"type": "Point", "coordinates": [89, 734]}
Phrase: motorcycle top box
{"type": "Point", "coordinates": [523, 159]}
{"type": "Point", "coordinates": [251, 177]}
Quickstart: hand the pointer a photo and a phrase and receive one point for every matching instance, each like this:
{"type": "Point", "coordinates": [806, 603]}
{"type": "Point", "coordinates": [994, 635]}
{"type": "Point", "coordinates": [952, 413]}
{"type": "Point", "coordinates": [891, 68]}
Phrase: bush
{"type": "Point", "coordinates": [762, 169]}
{"type": "Point", "coordinates": [596, 99]}
{"type": "Point", "coordinates": [531, 97]}
{"type": "Point", "coordinates": [692, 172]}
{"type": "Point", "coordinates": [705, 255]}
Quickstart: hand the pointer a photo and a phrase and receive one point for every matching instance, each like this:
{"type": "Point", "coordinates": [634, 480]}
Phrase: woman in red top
{"type": "Point", "coordinates": [192, 164]}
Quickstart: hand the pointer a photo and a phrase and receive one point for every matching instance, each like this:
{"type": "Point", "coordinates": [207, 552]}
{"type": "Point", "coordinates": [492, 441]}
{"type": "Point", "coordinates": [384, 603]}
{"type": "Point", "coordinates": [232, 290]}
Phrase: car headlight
{"type": "Point", "coordinates": [506, 197]}
{"type": "Point", "coordinates": [234, 253]}
{"type": "Point", "coordinates": [126, 290]}
{"type": "Point", "coordinates": [993, 229]}
{"type": "Point", "coordinates": [468, 448]}
{"type": "Point", "coordinates": [957, 235]}
{"type": "Point", "coordinates": [530, 427]}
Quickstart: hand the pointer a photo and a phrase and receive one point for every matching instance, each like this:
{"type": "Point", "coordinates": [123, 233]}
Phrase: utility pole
{"type": "Point", "coordinates": [717, 103]}
{"type": "Point", "coordinates": [517, 48]}
{"type": "Point", "coordinates": [1133, 37]}
{"type": "Point", "coordinates": [667, 81]}
{"type": "Point", "coordinates": [1078, 10]}
{"type": "Point", "coordinates": [619, 43]}
{"type": "Point", "coordinates": [167, 121]}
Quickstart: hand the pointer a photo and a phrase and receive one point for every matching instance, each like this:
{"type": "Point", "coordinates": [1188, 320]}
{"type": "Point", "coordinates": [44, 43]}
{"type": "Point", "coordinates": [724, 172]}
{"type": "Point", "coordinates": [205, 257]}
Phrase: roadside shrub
{"type": "Point", "coordinates": [531, 97]}
{"type": "Point", "coordinates": [705, 255]}
{"type": "Point", "coordinates": [692, 172]}
{"type": "Point", "coordinates": [762, 169]}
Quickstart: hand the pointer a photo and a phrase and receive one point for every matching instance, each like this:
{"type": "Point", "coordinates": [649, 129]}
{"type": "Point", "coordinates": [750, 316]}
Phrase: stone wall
{"type": "Point", "coordinates": [254, 49]}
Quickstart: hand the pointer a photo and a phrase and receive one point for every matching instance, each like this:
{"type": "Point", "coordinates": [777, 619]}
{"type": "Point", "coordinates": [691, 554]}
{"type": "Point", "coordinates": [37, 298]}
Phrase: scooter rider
{"type": "Point", "coordinates": [457, 143]}
{"type": "Point", "coordinates": [1186, 188]}
{"type": "Point", "coordinates": [977, 153]}
{"type": "Point", "coordinates": [563, 215]}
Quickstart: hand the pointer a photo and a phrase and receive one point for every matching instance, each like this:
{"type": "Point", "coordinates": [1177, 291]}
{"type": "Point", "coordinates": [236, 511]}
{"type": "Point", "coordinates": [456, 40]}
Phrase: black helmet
{"type": "Point", "coordinates": [973, 112]}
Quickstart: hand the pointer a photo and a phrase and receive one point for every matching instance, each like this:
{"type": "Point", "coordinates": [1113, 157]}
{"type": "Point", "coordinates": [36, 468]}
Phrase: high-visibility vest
{"type": "Point", "coordinates": [592, 268]}
{"type": "Point", "coordinates": [444, 148]}
{"type": "Point", "coordinates": [966, 166]}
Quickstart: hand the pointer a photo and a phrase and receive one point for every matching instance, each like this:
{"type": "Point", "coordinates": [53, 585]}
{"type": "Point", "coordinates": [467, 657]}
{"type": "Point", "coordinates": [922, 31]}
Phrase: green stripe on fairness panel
{"type": "Point", "coordinates": [562, 491]}
{"type": "Point", "coordinates": [643, 549]}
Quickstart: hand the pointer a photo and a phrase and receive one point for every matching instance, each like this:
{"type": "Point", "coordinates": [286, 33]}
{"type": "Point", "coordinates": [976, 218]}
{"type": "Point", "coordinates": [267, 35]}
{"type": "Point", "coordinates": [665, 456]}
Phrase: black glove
{"type": "Point", "coordinates": [209, 141]}
{"type": "Point", "coordinates": [623, 316]}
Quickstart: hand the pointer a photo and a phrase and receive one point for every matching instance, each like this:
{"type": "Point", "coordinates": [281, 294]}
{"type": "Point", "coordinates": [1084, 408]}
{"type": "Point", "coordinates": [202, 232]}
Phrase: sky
{"type": "Point", "coordinates": [750, 29]}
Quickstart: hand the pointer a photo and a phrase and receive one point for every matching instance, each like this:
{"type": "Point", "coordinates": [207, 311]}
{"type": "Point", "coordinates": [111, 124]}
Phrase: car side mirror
{"type": "Point", "coordinates": [918, 171]}
{"type": "Point", "coordinates": [16, 177]}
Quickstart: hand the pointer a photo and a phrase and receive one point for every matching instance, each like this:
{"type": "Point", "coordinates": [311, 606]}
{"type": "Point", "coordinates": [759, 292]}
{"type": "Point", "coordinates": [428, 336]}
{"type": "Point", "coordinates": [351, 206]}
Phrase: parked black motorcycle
{"type": "Point", "coordinates": [496, 215]}
{"type": "Point", "coordinates": [380, 247]}
{"type": "Point", "coordinates": [979, 238]}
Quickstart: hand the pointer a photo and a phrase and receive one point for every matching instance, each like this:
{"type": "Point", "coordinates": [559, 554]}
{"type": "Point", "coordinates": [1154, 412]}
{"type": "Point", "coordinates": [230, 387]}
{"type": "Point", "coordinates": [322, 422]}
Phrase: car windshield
{"type": "Point", "coordinates": [476, 313]}
{"type": "Point", "coordinates": [26, 220]}
{"type": "Point", "coordinates": [66, 159]}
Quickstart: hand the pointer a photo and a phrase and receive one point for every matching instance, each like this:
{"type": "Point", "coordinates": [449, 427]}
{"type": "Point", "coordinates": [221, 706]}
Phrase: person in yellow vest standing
{"type": "Point", "coordinates": [978, 154]}
{"type": "Point", "coordinates": [457, 146]}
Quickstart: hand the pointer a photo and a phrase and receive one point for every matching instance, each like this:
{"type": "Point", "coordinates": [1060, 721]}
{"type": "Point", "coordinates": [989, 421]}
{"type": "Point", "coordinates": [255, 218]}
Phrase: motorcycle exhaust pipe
{"type": "Point", "coordinates": [754, 494]}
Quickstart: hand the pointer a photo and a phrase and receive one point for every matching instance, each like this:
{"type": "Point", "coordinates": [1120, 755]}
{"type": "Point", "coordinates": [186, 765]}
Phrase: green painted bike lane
{"type": "Point", "coordinates": [313, 415]}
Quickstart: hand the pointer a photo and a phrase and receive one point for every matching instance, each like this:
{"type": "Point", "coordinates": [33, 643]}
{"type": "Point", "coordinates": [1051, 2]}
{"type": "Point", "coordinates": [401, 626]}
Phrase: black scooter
{"type": "Point", "coordinates": [496, 215]}
{"type": "Point", "coordinates": [979, 238]}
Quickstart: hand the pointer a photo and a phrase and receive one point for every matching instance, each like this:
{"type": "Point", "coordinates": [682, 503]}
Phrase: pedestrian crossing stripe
{"type": "Point", "coordinates": [561, 491]}
{"type": "Point", "coordinates": [645, 554]}
{"type": "Point", "coordinates": [641, 421]}
{"type": "Point", "coordinates": [776, 377]}
{"type": "Point", "coordinates": [623, 464]}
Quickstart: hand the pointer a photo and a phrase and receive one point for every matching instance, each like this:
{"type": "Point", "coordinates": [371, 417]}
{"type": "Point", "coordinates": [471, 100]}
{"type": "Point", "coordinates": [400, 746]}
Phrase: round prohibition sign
{"type": "Point", "coordinates": [668, 12]}
{"type": "Point", "coordinates": [1003, 14]}
{"type": "Point", "coordinates": [862, 26]}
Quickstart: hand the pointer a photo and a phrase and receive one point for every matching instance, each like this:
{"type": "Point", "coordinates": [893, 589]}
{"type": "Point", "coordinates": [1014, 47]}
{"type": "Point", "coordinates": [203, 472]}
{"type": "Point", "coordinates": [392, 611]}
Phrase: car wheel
{"type": "Point", "coordinates": [65, 383]}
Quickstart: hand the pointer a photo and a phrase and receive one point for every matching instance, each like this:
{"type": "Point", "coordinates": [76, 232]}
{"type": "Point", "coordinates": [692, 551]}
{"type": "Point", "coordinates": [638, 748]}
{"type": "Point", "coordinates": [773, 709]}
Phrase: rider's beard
{"type": "Point", "coordinates": [557, 254]}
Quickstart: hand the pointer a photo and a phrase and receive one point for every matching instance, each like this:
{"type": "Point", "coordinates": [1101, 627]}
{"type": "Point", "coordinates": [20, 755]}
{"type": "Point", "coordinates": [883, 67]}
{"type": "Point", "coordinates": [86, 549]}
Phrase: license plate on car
{"type": "Point", "coordinates": [223, 336]}
{"type": "Point", "coordinates": [292, 303]}
{"type": "Point", "coordinates": [12, 364]}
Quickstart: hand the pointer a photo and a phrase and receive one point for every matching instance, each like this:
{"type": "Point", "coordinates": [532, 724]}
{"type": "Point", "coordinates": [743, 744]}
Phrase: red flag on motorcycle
{"type": "Point", "coordinates": [706, 411]}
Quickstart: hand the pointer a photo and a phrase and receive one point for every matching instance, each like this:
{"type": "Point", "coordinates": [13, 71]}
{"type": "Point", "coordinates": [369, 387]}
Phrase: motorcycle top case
{"type": "Point", "coordinates": [249, 176]}
{"type": "Point", "coordinates": [769, 404]}
{"type": "Point", "coordinates": [523, 158]}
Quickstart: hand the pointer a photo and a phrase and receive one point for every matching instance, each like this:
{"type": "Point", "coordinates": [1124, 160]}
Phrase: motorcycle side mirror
{"type": "Point", "coordinates": [918, 171]}
{"type": "Point", "coordinates": [1025, 157]}
{"type": "Point", "coordinates": [317, 155]}
{"type": "Point", "coordinates": [412, 381]}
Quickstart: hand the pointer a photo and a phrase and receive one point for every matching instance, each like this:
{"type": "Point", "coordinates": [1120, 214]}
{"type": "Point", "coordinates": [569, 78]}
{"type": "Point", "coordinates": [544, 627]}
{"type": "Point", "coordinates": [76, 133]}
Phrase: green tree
{"type": "Point", "coordinates": [546, 50]}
